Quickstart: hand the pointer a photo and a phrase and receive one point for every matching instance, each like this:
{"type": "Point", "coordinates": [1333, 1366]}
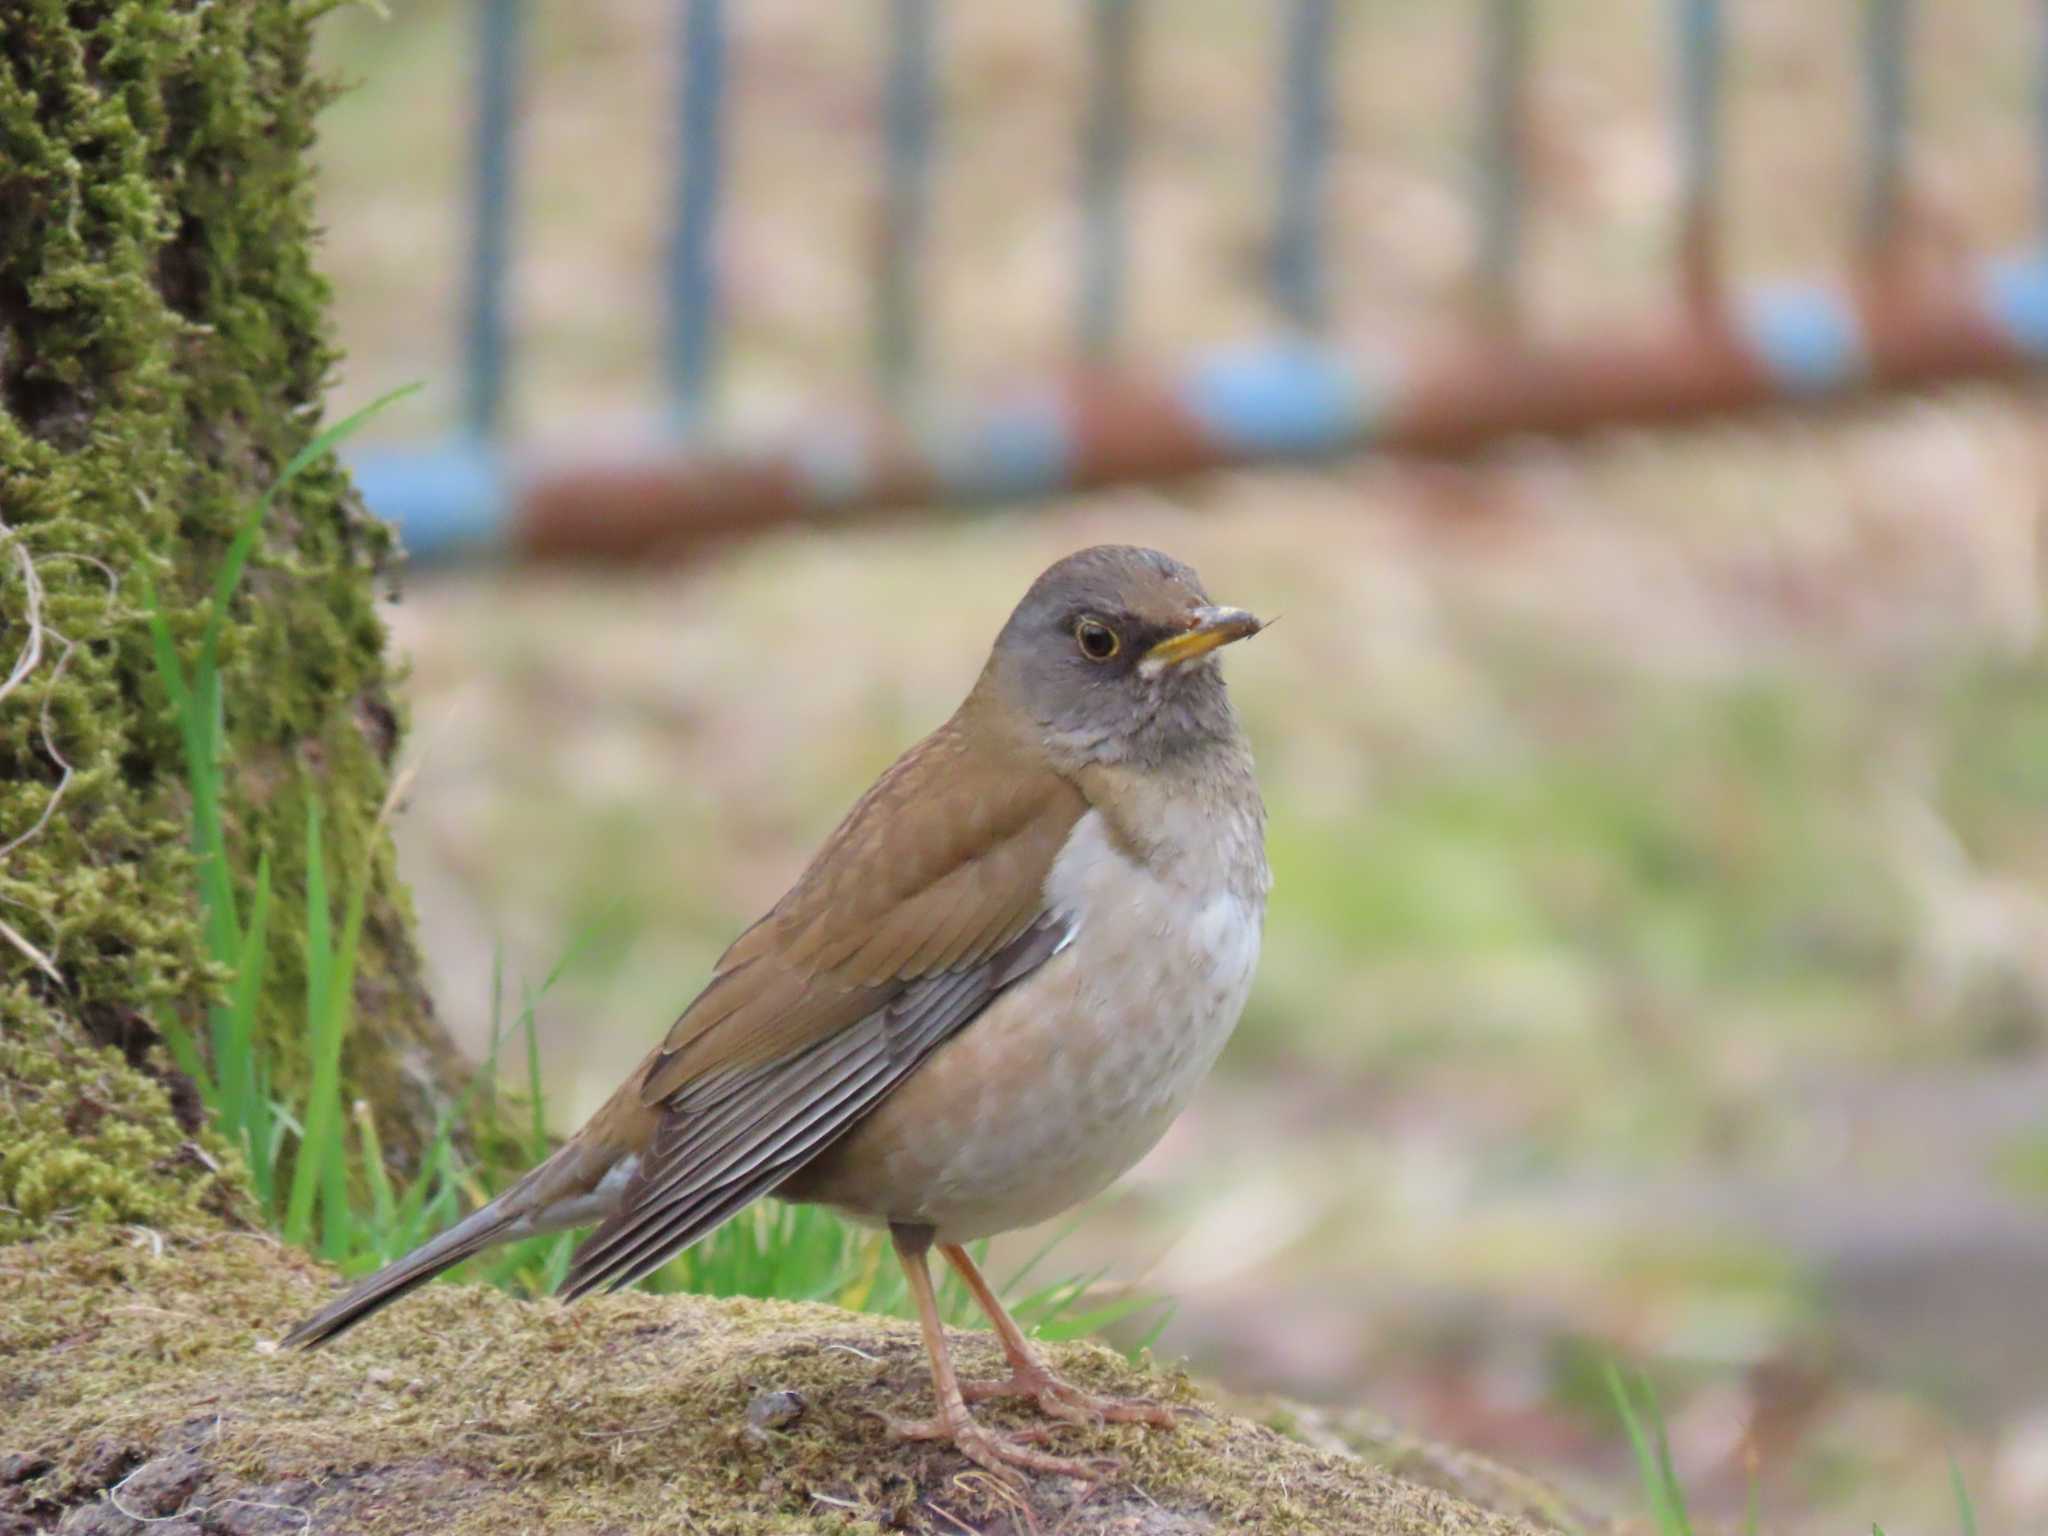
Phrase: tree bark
{"type": "Point", "coordinates": [163, 353]}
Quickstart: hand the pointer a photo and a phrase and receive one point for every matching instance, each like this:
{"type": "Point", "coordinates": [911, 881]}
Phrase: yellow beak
{"type": "Point", "coordinates": [1213, 627]}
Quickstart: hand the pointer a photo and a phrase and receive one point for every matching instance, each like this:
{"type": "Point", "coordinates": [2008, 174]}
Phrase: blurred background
{"type": "Point", "coordinates": [1658, 956]}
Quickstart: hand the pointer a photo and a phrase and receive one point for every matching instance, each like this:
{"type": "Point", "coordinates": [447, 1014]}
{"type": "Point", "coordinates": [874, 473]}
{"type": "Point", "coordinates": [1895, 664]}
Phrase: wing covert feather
{"type": "Point", "coordinates": [744, 1133]}
{"type": "Point", "coordinates": [925, 903]}
{"type": "Point", "coordinates": [940, 865]}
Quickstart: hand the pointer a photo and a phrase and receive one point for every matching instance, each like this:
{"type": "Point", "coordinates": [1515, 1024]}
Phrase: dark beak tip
{"type": "Point", "coordinates": [1236, 623]}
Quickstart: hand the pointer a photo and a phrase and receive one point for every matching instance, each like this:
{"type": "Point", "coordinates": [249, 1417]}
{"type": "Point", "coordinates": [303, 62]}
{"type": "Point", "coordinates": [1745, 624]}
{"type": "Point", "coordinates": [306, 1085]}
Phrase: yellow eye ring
{"type": "Point", "coordinates": [1097, 640]}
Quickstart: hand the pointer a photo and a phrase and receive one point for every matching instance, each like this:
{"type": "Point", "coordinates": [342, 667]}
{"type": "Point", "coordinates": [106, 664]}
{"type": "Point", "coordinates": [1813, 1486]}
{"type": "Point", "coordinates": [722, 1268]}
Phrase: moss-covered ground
{"type": "Point", "coordinates": [138, 1382]}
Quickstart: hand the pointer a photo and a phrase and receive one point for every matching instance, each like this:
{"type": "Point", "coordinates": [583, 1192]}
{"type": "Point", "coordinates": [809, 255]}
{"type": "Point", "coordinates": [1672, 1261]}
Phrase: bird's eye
{"type": "Point", "coordinates": [1097, 640]}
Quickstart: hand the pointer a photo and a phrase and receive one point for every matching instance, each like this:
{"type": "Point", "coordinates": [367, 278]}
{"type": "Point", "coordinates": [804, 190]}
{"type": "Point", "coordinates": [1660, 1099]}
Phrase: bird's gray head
{"type": "Point", "coordinates": [1111, 657]}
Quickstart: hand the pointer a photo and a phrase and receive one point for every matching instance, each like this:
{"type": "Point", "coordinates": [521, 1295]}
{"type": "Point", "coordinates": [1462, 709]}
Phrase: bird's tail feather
{"type": "Point", "coordinates": [463, 1240]}
{"type": "Point", "coordinates": [551, 1197]}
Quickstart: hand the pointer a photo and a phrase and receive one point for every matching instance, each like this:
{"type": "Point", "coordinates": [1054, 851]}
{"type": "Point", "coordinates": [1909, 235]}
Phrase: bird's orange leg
{"type": "Point", "coordinates": [998, 1452]}
{"type": "Point", "coordinates": [1031, 1377]}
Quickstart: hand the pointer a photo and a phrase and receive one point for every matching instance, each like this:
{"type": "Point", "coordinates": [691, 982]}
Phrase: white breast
{"type": "Point", "coordinates": [1077, 1071]}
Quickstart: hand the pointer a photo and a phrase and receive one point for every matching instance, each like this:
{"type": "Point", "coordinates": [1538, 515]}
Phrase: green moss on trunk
{"type": "Point", "coordinates": [163, 352]}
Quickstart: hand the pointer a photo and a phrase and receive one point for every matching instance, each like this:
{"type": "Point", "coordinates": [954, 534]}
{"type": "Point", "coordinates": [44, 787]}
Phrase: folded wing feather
{"type": "Point", "coordinates": [927, 902]}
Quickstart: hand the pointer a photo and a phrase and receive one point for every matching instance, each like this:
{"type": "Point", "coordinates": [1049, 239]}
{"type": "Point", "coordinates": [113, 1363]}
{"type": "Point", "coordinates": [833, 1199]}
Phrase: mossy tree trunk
{"type": "Point", "coordinates": [163, 353]}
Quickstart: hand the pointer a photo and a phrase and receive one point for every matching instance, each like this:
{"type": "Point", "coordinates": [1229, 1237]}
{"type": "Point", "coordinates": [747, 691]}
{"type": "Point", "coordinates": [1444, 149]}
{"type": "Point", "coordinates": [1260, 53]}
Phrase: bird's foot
{"type": "Point", "coordinates": [1058, 1399]}
{"type": "Point", "coordinates": [1002, 1454]}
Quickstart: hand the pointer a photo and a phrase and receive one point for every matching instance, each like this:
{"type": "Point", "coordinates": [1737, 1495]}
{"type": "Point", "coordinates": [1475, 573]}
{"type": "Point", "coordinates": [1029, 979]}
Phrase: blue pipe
{"type": "Point", "coordinates": [1284, 401]}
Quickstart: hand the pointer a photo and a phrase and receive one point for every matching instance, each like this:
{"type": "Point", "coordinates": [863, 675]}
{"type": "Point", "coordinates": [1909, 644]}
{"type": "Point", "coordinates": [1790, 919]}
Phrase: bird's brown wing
{"type": "Point", "coordinates": [924, 904]}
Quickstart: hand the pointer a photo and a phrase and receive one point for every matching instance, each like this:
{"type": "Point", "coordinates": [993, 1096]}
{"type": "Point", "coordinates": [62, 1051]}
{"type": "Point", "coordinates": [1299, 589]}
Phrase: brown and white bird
{"type": "Point", "coordinates": [993, 989]}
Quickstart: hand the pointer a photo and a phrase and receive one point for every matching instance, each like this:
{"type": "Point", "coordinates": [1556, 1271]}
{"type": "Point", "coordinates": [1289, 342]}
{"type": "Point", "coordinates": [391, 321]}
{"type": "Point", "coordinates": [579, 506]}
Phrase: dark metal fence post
{"type": "Point", "coordinates": [907, 131]}
{"type": "Point", "coordinates": [1503, 114]}
{"type": "Point", "coordinates": [2041, 127]}
{"type": "Point", "coordinates": [1887, 111]}
{"type": "Point", "coordinates": [1297, 270]}
{"type": "Point", "coordinates": [693, 299]}
{"type": "Point", "coordinates": [487, 353]}
{"type": "Point", "coordinates": [1105, 173]}
{"type": "Point", "coordinates": [1699, 150]}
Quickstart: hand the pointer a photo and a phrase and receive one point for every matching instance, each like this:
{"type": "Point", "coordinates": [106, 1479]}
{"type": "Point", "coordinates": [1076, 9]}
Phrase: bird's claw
{"type": "Point", "coordinates": [1061, 1400]}
{"type": "Point", "coordinates": [1002, 1454]}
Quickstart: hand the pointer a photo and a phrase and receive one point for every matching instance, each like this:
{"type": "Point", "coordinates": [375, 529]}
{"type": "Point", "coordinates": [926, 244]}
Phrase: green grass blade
{"type": "Point", "coordinates": [558, 1262]}
{"type": "Point", "coordinates": [333, 437]}
{"type": "Point", "coordinates": [209, 834]}
{"type": "Point", "coordinates": [1079, 1325]}
{"type": "Point", "coordinates": [1965, 1512]}
{"type": "Point", "coordinates": [1025, 1270]}
{"type": "Point", "coordinates": [229, 576]}
{"type": "Point", "coordinates": [537, 1141]}
{"type": "Point", "coordinates": [195, 701]}
{"type": "Point", "coordinates": [262, 1137]}
{"type": "Point", "coordinates": [489, 1076]}
{"type": "Point", "coordinates": [1646, 1464]}
{"type": "Point", "coordinates": [238, 1091]}
{"type": "Point", "coordinates": [1674, 1491]}
{"type": "Point", "coordinates": [1652, 1455]}
{"type": "Point", "coordinates": [178, 1041]}
{"type": "Point", "coordinates": [426, 1192]}
{"type": "Point", "coordinates": [383, 1201]}
{"type": "Point", "coordinates": [235, 1051]}
{"type": "Point", "coordinates": [338, 1226]}
{"type": "Point", "coordinates": [1150, 1337]}
{"type": "Point", "coordinates": [225, 1100]}
{"type": "Point", "coordinates": [322, 1088]}
{"type": "Point", "coordinates": [165, 649]}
